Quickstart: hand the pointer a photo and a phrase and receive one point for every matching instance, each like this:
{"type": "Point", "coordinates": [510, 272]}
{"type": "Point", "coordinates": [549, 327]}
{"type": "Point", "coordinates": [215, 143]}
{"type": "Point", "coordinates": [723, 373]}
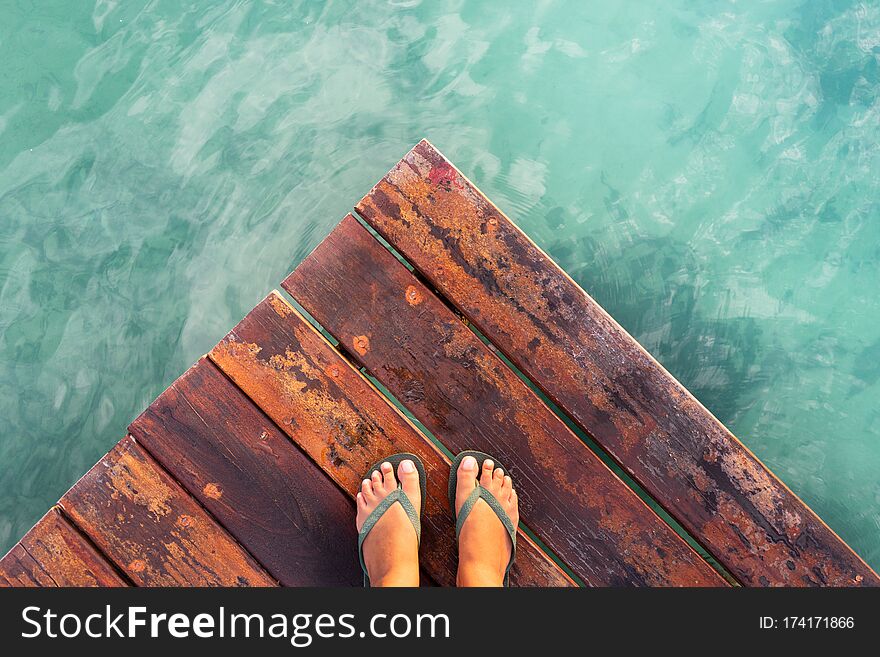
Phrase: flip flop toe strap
{"type": "Point", "coordinates": [495, 505]}
{"type": "Point", "coordinates": [492, 501]}
{"type": "Point", "coordinates": [402, 498]}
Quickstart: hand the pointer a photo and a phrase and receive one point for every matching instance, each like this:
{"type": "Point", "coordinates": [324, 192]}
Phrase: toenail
{"type": "Point", "coordinates": [407, 466]}
{"type": "Point", "coordinates": [488, 463]}
{"type": "Point", "coordinates": [469, 463]}
{"type": "Point", "coordinates": [386, 465]}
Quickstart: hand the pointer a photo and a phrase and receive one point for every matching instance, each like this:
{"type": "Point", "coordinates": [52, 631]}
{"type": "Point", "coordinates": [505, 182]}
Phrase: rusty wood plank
{"type": "Point", "coordinates": [269, 495]}
{"type": "Point", "coordinates": [603, 379]}
{"type": "Point", "coordinates": [469, 398]}
{"type": "Point", "coordinates": [336, 416]}
{"type": "Point", "coordinates": [152, 530]}
{"type": "Point", "coordinates": [54, 553]}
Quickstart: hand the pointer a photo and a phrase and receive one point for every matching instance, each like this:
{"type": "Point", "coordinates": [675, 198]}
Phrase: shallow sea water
{"type": "Point", "coordinates": [707, 170]}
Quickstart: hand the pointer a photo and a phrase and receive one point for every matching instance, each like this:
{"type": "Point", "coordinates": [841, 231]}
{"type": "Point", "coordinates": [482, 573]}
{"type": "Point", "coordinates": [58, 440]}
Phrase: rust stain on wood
{"type": "Point", "coordinates": [413, 295]}
{"type": "Point", "coordinates": [269, 495]}
{"type": "Point", "coordinates": [130, 509]}
{"type": "Point", "coordinates": [467, 397]}
{"type": "Point", "coordinates": [335, 415]}
{"type": "Point", "coordinates": [603, 379]}
{"type": "Point", "coordinates": [54, 553]}
{"type": "Point", "coordinates": [361, 344]}
{"type": "Point", "coordinates": [212, 491]}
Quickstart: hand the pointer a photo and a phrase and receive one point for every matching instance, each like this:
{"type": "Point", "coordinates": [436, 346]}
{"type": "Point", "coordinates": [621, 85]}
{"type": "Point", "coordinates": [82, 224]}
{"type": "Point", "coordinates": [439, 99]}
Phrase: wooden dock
{"type": "Point", "coordinates": [244, 471]}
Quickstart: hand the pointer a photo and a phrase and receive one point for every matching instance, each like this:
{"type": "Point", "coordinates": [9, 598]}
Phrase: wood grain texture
{"type": "Point", "coordinates": [336, 416]}
{"type": "Point", "coordinates": [270, 496]}
{"type": "Point", "coordinates": [469, 399]}
{"type": "Point", "coordinates": [599, 375]}
{"type": "Point", "coordinates": [53, 553]}
{"type": "Point", "coordinates": [151, 529]}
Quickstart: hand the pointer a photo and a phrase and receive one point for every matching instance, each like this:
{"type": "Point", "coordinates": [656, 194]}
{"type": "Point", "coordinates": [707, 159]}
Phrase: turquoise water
{"type": "Point", "coordinates": [707, 170]}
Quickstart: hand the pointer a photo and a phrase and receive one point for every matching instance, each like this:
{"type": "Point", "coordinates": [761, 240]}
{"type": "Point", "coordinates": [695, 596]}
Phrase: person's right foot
{"type": "Point", "coordinates": [391, 549]}
{"type": "Point", "coordinates": [484, 545]}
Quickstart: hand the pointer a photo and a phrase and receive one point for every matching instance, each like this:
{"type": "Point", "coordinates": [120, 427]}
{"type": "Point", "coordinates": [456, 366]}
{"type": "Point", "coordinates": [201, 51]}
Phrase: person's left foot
{"type": "Point", "coordinates": [484, 546]}
{"type": "Point", "coordinates": [391, 549]}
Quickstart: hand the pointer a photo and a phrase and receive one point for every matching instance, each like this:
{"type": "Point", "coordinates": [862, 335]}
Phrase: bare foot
{"type": "Point", "coordinates": [391, 549]}
{"type": "Point", "coordinates": [484, 545]}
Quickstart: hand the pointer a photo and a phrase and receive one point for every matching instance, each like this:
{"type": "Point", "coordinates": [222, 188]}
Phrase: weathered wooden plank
{"type": "Point", "coordinates": [588, 365]}
{"type": "Point", "coordinates": [53, 553]}
{"type": "Point", "coordinates": [153, 531]}
{"type": "Point", "coordinates": [333, 413]}
{"type": "Point", "coordinates": [468, 397]}
{"type": "Point", "coordinates": [269, 495]}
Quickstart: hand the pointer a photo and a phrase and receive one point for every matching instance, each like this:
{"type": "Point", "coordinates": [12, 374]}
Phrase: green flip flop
{"type": "Point", "coordinates": [394, 496]}
{"type": "Point", "coordinates": [488, 498]}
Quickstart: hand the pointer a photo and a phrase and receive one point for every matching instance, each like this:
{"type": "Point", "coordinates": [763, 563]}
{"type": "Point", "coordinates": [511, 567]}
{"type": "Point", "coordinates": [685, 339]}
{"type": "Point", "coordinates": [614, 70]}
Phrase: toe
{"type": "Point", "coordinates": [467, 467]}
{"type": "Point", "coordinates": [513, 502]}
{"type": "Point", "coordinates": [498, 478]}
{"type": "Point", "coordinates": [409, 481]}
{"type": "Point", "coordinates": [388, 481]}
{"type": "Point", "coordinates": [367, 490]}
{"type": "Point", "coordinates": [506, 488]}
{"type": "Point", "coordinates": [466, 479]}
{"type": "Point", "coordinates": [486, 476]}
{"type": "Point", "coordinates": [361, 501]}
